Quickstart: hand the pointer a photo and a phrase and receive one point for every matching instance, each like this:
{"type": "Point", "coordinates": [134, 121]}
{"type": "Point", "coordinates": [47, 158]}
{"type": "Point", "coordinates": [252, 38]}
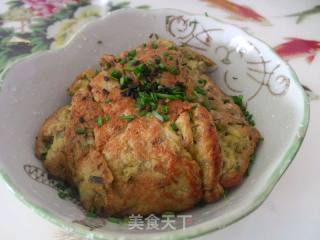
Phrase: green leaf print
{"type": "Point", "coordinates": [14, 3]}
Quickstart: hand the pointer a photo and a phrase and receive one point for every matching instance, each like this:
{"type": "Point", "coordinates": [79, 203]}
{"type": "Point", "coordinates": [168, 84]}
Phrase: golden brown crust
{"type": "Point", "coordinates": [141, 165]}
{"type": "Point", "coordinates": [150, 160]}
{"type": "Point", "coordinates": [207, 152]}
{"type": "Point", "coordinates": [50, 144]}
{"type": "Point", "coordinates": [238, 140]}
{"type": "Point", "coordinates": [244, 139]}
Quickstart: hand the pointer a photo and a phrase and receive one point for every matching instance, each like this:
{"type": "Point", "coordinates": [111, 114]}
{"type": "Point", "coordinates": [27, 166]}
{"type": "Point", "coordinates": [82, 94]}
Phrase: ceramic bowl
{"type": "Point", "coordinates": [34, 87]}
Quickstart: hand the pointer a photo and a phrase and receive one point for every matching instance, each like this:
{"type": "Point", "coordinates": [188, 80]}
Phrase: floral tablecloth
{"type": "Point", "coordinates": [291, 27]}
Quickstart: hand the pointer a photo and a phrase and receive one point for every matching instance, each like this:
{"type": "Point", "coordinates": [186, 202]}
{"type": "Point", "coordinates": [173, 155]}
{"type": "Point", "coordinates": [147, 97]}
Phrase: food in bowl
{"type": "Point", "coordinates": [148, 132]}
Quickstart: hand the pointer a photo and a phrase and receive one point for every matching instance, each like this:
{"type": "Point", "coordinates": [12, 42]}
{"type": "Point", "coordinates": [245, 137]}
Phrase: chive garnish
{"type": "Point", "coordinates": [133, 62]}
{"type": "Point", "coordinates": [247, 115]}
{"type": "Point", "coordinates": [116, 74]}
{"type": "Point", "coordinates": [202, 81]}
{"type": "Point", "coordinates": [124, 80]}
{"type": "Point", "coordinates": [132, 54]}
{"type": "Point", "coordinates": [123, 61]}
{"type": "Point", "coordinates": [174, 126]}
{"type": "Point", "coordinates": [199, 90]}
{"type": "Point", "coordinates": [161, 67]}
{"type": "Point", "coordinates": [128, 118]}
{"type": "Point", "coordinates": [80, 131]}
{"type": "Point", "coordinates": [99, 121]}
{"type": "Point", "coordinates": [206, 103]}
{"type": "Point", "coordinates": [168, 96]}
{"type": "Point", "coordinates": [164, 109]}
{"type": "Point", "coordinates": [166, 54]}
{"type": "Point", "coordinates": [173, 70]}
{"type": "Point", "coordinates": [154, 45]}
{"type": "Point", "coordinates": [141, 71]}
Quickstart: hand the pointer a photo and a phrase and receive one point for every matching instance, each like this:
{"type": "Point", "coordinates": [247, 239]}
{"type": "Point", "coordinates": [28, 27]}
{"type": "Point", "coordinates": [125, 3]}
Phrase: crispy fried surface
{"type": "Point", "coordinates": [50, 143]}
{"type": "Point", "coordinates": [140, 164]}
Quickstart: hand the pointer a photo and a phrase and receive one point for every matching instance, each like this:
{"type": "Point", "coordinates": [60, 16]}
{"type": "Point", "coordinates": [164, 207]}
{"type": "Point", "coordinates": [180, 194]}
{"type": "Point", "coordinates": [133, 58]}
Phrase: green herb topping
{"type": "Point", "coordinates": [174, 126]}
{"type": "Point", "coordinates": [154, 45]}
{"type": "Point", "coordinates": [116, 74]}
{"type": "Point", "coordinates": [206, 103]}
{"type": "Point", "coordinates": [128, 118]}
{"type": "Point", "coordinates": [99, 121]}
{"type": "Point", "coordinates": [132, 54]}
{"type": "Point", "coordinates": [124, 80]}
{"type": "Point", "coordinates": [202, 81]}
{"type": "Point", "coordinates": [173, 70]}
{"type": "Point", "coordinates": [199, 90]}
{"type": "Point", "coordinates": [80, 131]}
{"type": "Point", "coordinates": [248, 116]}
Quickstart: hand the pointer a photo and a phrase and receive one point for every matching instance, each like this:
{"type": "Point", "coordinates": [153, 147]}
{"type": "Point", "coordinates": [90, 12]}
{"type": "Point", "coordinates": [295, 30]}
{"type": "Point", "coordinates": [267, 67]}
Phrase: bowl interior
{"type": "Point", "coordinates": [35, 87]}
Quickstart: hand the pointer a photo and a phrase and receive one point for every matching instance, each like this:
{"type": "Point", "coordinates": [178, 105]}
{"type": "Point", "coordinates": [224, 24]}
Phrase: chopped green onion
{"type": "Point", "coordinates": [116, 74]}
{"type": "Point", "coordinates": [128, 118]}
{"type": "Point", "coordinates": [80, 131]}
{"type": "Point", "coordinates": [123, 61]}
{"type": "Point", "coordinates": [206, 103]}
{"type": "Point", "coordinates": [166, 54]}
{"type": "Point", "coordinates": [199, 90]}
{"type": "Point", "coordinates": [161, 67]}
{"type": "Point", "coordinates": [164, 109]}
{"type": "Point", "coordinates": [124, 80]}
{"type": "Point", "coordinates": [133, 62]}
{"type": "Point", "coordinates": [99, 121]}
{"type": "Point", "coordinates": [154, 45]}
{"type": "Point", "coordinates": [132, 54]}
{"type": "Point", "coordinates": [247, 115]}
{"type": "Point", "coordinates": [141, 70]}
{"type": "Point", "coordinates": [168, 96]}
{"type": "Point", "coordinates": [174, 126]}
{"type": "Point", "coordinates": [173, 70]}
{"type": "Point", "coordinates": [202, 81]}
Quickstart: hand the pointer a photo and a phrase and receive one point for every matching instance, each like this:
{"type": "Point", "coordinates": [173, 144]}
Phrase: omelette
{"type": "Point", "coordinates": [148, 132]}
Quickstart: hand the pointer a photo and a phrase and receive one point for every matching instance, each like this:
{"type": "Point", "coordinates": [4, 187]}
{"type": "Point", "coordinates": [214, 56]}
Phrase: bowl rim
{"type": "Point", "coordinates": [193, 231]}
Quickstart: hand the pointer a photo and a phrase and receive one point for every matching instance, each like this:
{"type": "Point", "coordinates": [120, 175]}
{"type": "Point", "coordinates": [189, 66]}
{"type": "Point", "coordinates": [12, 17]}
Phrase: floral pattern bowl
{"type": "Point", "coordinates": [35, 87]}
